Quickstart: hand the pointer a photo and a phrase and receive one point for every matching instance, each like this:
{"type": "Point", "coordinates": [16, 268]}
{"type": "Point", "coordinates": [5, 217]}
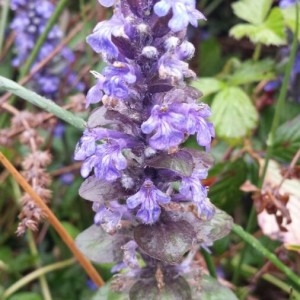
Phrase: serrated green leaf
{"type": "Point", "coordinates": [252, 11]}
{"type": "Point", "coordinates": [271, 32]}
{"type": "Point", "coordinates": [250, 71]}
{"type": "Point", "coordinates": [233, 114]}
{"type": "Point", "coordinates": [208, 85]}
{"type": "Point", "coordinates": [287, 140]}
{"type": "Point", "coordinates": [289, 16]}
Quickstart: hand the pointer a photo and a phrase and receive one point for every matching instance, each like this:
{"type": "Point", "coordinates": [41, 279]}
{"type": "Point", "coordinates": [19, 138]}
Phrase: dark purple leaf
{"type": "Point", "coordinates": [160, 86]}
{"type": "Point", "coordinates": [180, 162]}
{"type": "Point", "coordinates": [125, 46]}
{"type": "Point", "coordinates": [101, 117]}
{"type": "Point", "coordinates": [160, 25]}
{"type": "Point", "coordinates": [206, 231]}
{"type": "Point", "coordinates": [93, 189]}
{"type": "Point", "coordinates": [166, 241]}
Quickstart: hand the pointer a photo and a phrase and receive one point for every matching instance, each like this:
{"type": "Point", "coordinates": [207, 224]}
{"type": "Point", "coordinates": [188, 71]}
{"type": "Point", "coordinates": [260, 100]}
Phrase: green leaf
{"type": "Point", "coordinates": [289, 16]}
{"type": "Point", "coordinates": [71, 229]}
{"type": "Point", "coordinates": [252, 11]}
{"type": "Point", "coordinates": [105, 293]}
{"type": "Point", "coordinates": [271, 32]}
{"type": "Point", "coordinates": [250, 71]}
{"type": "Point", "coordinates": [233, 114]}
{"type": "Point", "coordinates": [225, 192]}
{"type": "Point", "coordinates": [211, 58]}
{"type": "Point", "coordinates": [99, 246]}
{"type": "Point", "coordinates": [208, 85]}
{"type": "Point", "coordinates": [287, 140]}
{"type": "Point", "coordinates": [211, 289]}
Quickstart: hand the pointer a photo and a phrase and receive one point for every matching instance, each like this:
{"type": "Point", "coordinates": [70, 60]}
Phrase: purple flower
{"type": "Point", "coordinates": [117, 79]}
{"type": "Point", "coordinates": [197, 123]}
{"type": "Point", "coordinates": [130, 255]}
{"type": "Point", "coordinates": [107, 161]}
{"type": "Point", "coordinates": [184, 12]}
{"type": "Point", "coordinates": [107, 3]}
{"type": "Point", "coordinates": [192, 189]}
{"type": "Point", "coordinates": [101, 38]}
{"type": "Point", "coordinates": [148, 198]}
{"type": "Point", "coordinates": [67, 178]}
{"type": "Point", "coordinates": [286, 3]}
{"type": "Point", "coordinates": [85, 147]}
{"type": "Point", "coordinates": [167, 124]}
{"type": "Point", "coordinates": [109, 218]}
{"type": "Point", "coordinates": [133, 143]}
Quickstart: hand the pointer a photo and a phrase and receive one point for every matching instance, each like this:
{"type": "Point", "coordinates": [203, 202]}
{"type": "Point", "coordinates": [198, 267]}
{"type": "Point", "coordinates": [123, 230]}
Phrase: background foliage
{"type": "Point", "coordinates": [242, 57]}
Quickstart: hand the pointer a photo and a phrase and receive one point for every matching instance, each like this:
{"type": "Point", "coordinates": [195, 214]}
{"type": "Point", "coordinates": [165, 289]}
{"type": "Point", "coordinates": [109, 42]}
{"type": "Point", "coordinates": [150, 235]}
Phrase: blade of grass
{"type": "Point", "coordinates": [86, 264]}
{"type": "Point", "coordinates": [3, 20]}
{"type": "Point", "coordinates": [253, 242]}
{"type": "Point", "coordinates": [41, 102]}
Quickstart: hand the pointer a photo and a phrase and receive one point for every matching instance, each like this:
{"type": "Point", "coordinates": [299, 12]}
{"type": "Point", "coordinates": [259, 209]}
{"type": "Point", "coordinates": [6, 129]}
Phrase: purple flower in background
{"type": "Point", "coordinates": [30, 20]}
{"type": "Point", "coordinates": [286, 3]}
{"type": "Point", "coordinates": [148, 198]}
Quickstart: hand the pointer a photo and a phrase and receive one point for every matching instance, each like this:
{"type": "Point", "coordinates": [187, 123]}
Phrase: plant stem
{"type": "Point", "coordinates": [257, 52]}
{"type": "Point", "coordinates": [42, 278]}
{"type": "Point", "coordinates": [88, 267]}
{"type": "Point", "coordinates": [273, 280]}
{"type": "Point", "coordinates": [248, 238]}
{"type": "Point", "coordinates": [212, 6]}
{"type": "Point", "coordinates": [271, 136]}
{"type": "Point", "coordinates": [35, 274]}
{"type": "Point", "coordinates": [35, 51]}
{"type": "Point", "coordinates": [3, 20]}
{"type": "Point", "coordinates": [41, 102]}
{"type": "Point", "coordinates": [209, 263]}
